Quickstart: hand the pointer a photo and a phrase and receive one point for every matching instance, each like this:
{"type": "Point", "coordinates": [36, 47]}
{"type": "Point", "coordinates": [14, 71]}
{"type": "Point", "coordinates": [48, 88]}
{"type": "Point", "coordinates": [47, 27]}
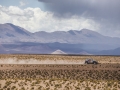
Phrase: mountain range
{"type": "Point", "coordinates": [15, 39]}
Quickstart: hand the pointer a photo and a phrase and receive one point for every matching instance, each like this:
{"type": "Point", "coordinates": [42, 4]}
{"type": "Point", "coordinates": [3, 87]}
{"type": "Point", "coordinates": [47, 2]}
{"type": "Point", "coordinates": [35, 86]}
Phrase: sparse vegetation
{"type": "Point", "coordinates": [105, 76]}
{"type": "Point", "coordinates": [57, 84]}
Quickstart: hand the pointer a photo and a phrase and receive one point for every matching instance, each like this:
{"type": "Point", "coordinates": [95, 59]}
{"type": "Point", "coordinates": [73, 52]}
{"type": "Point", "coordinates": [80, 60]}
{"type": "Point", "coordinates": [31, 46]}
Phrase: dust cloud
{"type": "Point", "coordinates": [34, 61]}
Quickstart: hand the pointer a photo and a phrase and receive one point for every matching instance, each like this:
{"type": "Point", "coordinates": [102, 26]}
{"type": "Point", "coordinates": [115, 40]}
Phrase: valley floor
{"type": "Point", "coordinates": [104, 76]}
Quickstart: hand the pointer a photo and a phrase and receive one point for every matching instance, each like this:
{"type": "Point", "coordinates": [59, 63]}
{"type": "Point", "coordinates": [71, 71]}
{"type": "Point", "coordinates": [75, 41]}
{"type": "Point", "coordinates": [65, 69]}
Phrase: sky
{"type": "Point", "coordinates": [102, 16]}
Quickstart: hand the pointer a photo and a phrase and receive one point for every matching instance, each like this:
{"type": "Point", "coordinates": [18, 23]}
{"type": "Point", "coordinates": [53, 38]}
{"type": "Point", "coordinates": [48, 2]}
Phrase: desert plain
{"type": "Point", "coordinates": [58, 72]}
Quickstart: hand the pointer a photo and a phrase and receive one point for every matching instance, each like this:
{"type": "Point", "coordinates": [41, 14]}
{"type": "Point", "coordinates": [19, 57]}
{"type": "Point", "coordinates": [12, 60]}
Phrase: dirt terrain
{"type": "Point", "coordinates": [77, 72]}
{"type": "Point", "coordinates": [38, 76]}
{"type": "Point", "coordinates": [55, 59]}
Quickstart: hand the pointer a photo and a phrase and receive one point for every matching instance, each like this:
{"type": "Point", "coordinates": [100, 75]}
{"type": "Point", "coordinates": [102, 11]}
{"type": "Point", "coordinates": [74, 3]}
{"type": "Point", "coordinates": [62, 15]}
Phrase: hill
{"type": "Point", "coordinates": [16, 39]}
{"type": "Point", "coordinates": [58, 52]}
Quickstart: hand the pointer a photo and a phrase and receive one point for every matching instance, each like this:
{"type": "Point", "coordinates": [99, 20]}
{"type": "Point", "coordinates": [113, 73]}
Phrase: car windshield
{"type": "Point", "coordinates": [90, 60]}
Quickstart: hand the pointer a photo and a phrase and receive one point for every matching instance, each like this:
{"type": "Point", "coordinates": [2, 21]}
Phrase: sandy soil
{"type": "Point", "coordinates": [56, 72]}
{"type": "Point", "coordinates": [55, 59]}
{"type": "Point", "coordinates": [32, 84]}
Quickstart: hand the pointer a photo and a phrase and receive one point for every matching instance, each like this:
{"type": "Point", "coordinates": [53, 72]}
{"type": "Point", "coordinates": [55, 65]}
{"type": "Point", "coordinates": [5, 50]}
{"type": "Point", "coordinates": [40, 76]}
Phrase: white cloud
{"type": "Point", "coordinates": [34, 19]}
{"type": "Point", "coordinates": [22, 3]}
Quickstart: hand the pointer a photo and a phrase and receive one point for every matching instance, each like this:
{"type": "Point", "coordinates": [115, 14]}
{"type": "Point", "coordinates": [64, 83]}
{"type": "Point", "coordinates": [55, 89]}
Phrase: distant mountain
{"type": "Point", "coordinates": [84, 53]}
{"type": "Point", "coordinates": [58, 52]}
{"type": "Point", "coordinates": [89, 40]}
{"type": "Point", "coordinates": [12, 33]}
{"type": "Point", "coordinates": [29, 48]}
{"type": "Point", "coordinates": [16, 39]}
{"type": "Point", "coordinates": [110, 52]}
{"type": "Point", "coordinates": [83, 36]}
{"type": "Point", "coordinates": [2, 50]}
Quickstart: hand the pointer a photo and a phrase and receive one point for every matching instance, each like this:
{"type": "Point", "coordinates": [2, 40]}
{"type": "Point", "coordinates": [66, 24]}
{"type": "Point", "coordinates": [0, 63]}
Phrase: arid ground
{"type": "Point", "coordinates": [58, 72]}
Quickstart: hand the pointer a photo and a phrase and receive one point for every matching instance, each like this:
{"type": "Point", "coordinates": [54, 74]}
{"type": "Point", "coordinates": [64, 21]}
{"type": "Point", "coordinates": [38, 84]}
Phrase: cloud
{"type": "Point", "coordinates": [104, 12]}
{"type": "Point", "coordinates": [22, 3]}
{"type": "Point", "coordinates": [34, 19]}
{"type": "Point", "coordinates": [35, 61]}
{"type": "Point", "coordinates": [88, 8]}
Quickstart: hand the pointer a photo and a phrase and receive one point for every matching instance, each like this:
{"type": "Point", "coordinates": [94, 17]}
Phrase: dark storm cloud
{"type": "Point", "coordinates": [104, 12]}
{"type": "Point", "coordinates": [108, 9]}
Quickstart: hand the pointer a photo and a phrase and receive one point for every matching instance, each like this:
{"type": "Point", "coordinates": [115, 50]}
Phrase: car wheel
{"type": "Point", "coordinates": [94, 63]}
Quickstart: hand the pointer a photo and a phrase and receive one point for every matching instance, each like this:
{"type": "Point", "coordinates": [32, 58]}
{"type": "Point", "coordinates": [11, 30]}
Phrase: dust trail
{"type": "Point", "coordinates": [34, 61]}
